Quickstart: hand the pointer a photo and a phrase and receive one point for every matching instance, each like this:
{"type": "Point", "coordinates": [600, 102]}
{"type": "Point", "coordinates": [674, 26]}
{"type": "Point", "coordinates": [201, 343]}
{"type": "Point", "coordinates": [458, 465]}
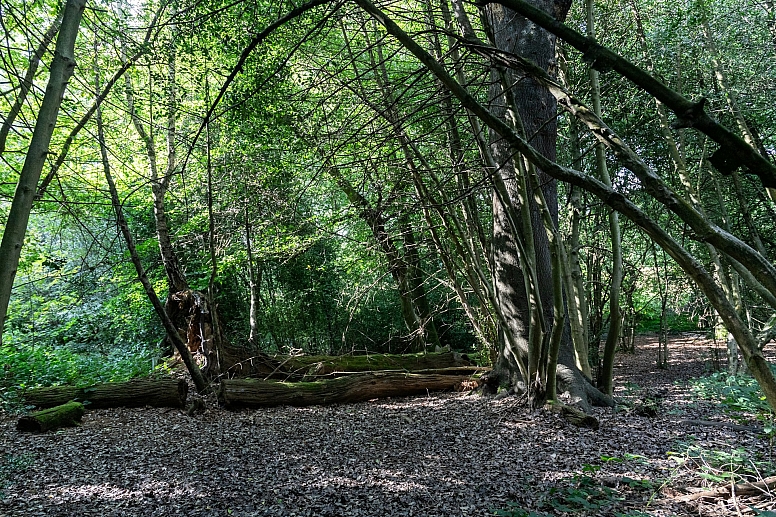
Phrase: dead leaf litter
{"type": "Point", "coordinates": [439, 455]}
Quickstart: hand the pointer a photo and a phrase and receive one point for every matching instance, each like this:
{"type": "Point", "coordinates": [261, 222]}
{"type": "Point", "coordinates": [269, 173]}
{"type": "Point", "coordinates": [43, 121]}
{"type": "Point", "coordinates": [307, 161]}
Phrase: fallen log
{"type": "Point", "coordinates": [156, 392]}
{"type": "Point", "coordinates": [309, 367]}
{"type": "Point", "coordinates": [253, 393]}
{"type": "Point", "coordinates": [66, 415]}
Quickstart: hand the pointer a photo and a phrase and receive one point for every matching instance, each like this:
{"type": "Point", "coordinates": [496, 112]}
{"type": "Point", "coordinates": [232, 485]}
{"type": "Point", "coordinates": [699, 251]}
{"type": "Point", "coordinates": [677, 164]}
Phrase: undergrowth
{"type": "Point", "coordinates": [718, 466]}
{"type": "Point", "coordinates": [739, 395]}
{"type": "Point", "coordinates": [31, 366]}
{"type": "Point", "coordinates": [11, 464]}
{"type": "Point", "coordinates": [584, 494]}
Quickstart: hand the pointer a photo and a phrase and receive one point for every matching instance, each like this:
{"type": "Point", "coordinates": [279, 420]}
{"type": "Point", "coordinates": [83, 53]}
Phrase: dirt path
{"type": "Point", "coordinates": [442, 455]}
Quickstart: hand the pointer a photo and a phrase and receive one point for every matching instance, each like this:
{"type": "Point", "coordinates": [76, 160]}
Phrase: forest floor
{"type": "Point", "coordinates": [439, 455]}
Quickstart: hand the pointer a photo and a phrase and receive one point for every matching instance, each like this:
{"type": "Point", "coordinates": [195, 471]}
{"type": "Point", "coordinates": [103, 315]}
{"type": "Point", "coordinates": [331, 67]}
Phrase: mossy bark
{"type": "Point", "coordinates": [243, 363]}
{"type": "Point", "coordinates": [66, 415]}
{"type": "Point", "coordinates": [237, 393]}
{"type": "Point", "coordinates": [166, 392]}
{"type": "Point", "coordinates": [326, 365]}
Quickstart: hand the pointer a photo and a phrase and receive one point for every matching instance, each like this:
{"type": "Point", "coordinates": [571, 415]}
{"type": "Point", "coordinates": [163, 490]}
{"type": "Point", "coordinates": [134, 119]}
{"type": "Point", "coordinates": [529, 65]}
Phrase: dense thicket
{"type": "Point", "coordinates": [329, 192]}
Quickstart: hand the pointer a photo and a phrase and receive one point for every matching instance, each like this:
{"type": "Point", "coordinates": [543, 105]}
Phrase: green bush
{"type": "Point", "coordinates": [738, 393]}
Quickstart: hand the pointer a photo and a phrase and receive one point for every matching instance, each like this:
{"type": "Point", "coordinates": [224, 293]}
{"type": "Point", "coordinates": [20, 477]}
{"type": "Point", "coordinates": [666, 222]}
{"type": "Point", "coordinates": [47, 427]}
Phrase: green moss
{"type": "Point", "coordinates": [68, 414]}
{"type": "Point", "coordinates": [366, 363]}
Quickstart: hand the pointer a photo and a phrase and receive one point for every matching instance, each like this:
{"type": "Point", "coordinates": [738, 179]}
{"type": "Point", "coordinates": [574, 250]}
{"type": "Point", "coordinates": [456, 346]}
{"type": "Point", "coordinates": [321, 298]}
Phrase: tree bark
{"type": "Point", "coordinates": [176, 280]}
{"type": "Point", "coordinates": [353, 388]}
{"type": "Point", "coordinates": [241, 362]}
{"type": "Point", "coordinates": [573, 379]}
{"type": "Point", "coordinates": [62, 68]}
{"type": "Point", "coordinates": [574, 280]}
{"type": "Point", "coordinates": [172, 331]}
{"type": "Point", "coordinates": [164, 392]}
{"type": "Point", "coordinates": [326, 365]}
{"type": "Point", "coordinates": [530, 309]}
{"type": "Point", "coordinates": [66, 415]}
{"type": "Point", "coordinates": [615, 317]}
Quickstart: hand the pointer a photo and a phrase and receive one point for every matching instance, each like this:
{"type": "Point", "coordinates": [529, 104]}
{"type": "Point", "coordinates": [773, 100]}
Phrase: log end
{"type": "Point", "coordinates": [66, 415]}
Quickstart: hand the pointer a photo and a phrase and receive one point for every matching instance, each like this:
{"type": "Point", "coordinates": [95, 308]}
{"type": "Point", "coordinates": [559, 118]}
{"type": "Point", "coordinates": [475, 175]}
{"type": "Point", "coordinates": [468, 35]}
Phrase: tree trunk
{"type": "Point", "coordinates": [622, 204]}
{"type": "Point", "coordinates": [536, 109]}
{"type": "Point", "coordinates": [242, 362]}
{"type": "Point", "coordinates": [173, 334]}
{"type": "Point", "coordinates": [165, 392]}
{"type": "Point", "coordinates": [342, 390]}
{"type": "Point", "coordinates": [176, 280]}
{"type": "Point", "coordinates": [574, 284]}
{"type": "Point", "coordinates": [615, 318]}
{"type": "Point", "coordinates": [62, 68]}
{"type": "Point", "coordinates": [66, 415]}
{"type": "Point", "coordinates": [374, 217]}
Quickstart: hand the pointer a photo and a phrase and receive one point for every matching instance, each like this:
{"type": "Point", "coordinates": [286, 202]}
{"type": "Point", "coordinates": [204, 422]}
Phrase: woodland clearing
{"type": "Point", "coordinates": [438, 455]}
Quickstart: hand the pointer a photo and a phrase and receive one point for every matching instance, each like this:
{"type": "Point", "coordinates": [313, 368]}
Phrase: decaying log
{"type": "Point", "coordinates": [757, 488]}
{"type": "Point", "coordinates": [309, 367]}
{"type": "Point", "coordinates": [66, 415]}
{"type": "Point", "coordinates": [359, 387]}
{"type": "Point", "coordinates": [157, 392]}
{"type": "Point", "coordinates": [326, 365]}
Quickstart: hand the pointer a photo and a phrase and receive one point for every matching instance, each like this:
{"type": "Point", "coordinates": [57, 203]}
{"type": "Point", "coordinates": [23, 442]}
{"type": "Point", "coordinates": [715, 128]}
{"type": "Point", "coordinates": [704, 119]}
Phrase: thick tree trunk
{"type": "Point", "coordinates": [536, 108]}
{"type": "Point", "coordinates": [166, 392]}
{"type": "Point", "coordinates": [353, 388]}
{"type": "Point", "coordinates": [66, 415]}
{"type": "Point", "coordinates": [691, 266]}
{"type": "Point", "coordinates": [62, 68]}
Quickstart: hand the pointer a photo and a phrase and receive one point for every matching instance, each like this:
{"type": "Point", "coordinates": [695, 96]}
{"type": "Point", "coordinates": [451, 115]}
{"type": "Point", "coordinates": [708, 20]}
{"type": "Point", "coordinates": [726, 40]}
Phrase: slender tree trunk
{"type": "Point", "coordinates": [615, 318]}
{"type": "Point", "coordinates": [62, 68]}
{"type": "Point", "coordinates": [574, 281]}
{"type": "Point", "coordinates": [418, 289]}
{"type": "Point", "coordinates": [254, 284]}
{"type": "Point", "coordinates": [172, 331]}
{"type": "Point", "coordinates": [175, 278]}
{"type": "Point", "coordinates": [215, 342]}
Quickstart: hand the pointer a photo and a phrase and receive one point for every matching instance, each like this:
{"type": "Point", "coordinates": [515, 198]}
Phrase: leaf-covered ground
{"type": "Point", "coordinates": [449, 454]}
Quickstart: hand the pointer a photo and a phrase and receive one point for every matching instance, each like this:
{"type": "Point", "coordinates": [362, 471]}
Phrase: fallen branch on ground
{"type": "Point", "coordinates": [757, 488]}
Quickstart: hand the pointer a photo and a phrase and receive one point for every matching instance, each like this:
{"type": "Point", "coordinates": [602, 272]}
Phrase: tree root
{"type": "Point", "coordinates": [573, 415]}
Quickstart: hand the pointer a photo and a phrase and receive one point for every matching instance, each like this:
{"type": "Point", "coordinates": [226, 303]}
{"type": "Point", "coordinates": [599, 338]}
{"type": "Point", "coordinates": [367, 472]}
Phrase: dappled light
{"type": "Point", "coordinates": [455, 454]}
{"type": "Point", "coordinates": [375, 258]}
